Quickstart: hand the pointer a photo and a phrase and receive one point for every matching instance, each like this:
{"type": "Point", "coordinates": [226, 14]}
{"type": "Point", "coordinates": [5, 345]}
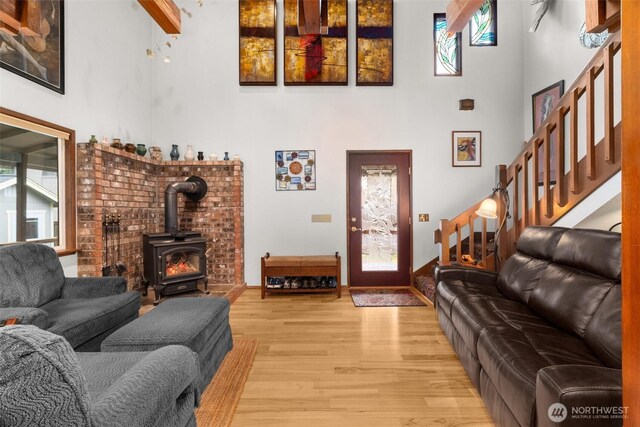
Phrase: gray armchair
{"type": "Point", "coordinates": [43, 382]}
{"type": "Point", "coordinates": [83, 310]}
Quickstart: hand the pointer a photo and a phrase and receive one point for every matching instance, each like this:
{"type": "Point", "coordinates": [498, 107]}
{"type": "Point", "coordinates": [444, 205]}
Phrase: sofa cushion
{"type": "Point", "coordinates": [539, 242]}
{"type": "Point", "coordinates": [30, 275]}
{"type": "Point", "coordinates": [603, 333]}
{"type": "Point", "coordinates": [450, 290]}
{"type": "Point", "coordinates": [519, 276]}
{"type": "Point", "coordinates": [568, 298]}
{"type": "Point", "coordinates": [596, 251]}
{"type": "Point", "coordinates": [472, 314]}
{"type": "Point", "coordinates": [40, 382]}
{"type": "Point", "coordinates": [512, 359]}
{"type": "Point", "coordinates": [79, 320]}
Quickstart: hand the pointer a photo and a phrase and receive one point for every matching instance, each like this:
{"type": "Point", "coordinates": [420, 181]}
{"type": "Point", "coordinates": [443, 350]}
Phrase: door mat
{"type": "Point", "coordinates": [385, 298]}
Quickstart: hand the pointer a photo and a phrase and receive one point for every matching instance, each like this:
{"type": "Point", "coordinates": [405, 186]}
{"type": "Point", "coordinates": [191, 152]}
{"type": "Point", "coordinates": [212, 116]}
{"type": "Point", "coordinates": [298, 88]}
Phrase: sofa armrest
{"type": "Point", "coordinates": [592, 395]}
{"type": "Point", "coordinates": [93, 287]}
{"type": "Point", "coordinates": [466, 274]}
{"type": "Point", "coordinates": [26, 316]}
{"type": "Point", "coordinates": [164, 380]}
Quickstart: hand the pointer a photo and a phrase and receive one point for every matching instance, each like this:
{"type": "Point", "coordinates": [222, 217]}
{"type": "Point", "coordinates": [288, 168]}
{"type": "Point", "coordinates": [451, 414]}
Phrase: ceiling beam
{"type": "Point", "coordinates": [459, 13]}
{"type": "Point", "coordinates": [165, 13]}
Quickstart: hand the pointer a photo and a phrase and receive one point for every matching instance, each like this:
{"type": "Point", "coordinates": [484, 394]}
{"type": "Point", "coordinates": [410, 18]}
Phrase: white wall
{"type": "Point", "coordinates": [553, 52]}
{"type": "Point", "coordinates": [197, 100]}
{"type": "Point", "coordinates": [107, 75]}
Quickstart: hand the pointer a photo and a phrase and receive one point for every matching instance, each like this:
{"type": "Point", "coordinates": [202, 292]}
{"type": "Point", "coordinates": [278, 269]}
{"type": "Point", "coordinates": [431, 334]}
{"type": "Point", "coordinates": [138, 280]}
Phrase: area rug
{"type": "Point", "coordinates": [219, 401]}
{"type": "Point", "coordinates": [385, 298]}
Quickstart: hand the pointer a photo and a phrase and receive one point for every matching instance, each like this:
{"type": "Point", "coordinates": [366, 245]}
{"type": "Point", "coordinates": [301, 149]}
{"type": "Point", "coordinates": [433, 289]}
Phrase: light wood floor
{"type": "Point", "coordinates": [323, 362]}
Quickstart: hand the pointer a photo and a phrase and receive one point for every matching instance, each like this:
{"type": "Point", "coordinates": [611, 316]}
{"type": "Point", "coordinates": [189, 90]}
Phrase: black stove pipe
{"type": "Point", "coordinates": [195, 188]}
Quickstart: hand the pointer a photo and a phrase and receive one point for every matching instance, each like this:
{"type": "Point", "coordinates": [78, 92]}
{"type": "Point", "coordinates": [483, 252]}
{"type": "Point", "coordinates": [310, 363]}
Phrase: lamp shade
{"type": "Point", "coordinates": [488, 209]}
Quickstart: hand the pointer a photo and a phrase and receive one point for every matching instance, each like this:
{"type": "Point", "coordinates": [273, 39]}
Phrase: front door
{"type": "Point", "coordinates": [379, 218]}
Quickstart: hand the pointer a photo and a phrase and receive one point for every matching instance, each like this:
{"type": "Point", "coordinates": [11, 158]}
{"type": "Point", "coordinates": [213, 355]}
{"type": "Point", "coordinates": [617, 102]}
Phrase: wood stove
{"type": "Point", "coordinates": [173, 265]}
{"type": "Point", "coordinates": [174, 261]}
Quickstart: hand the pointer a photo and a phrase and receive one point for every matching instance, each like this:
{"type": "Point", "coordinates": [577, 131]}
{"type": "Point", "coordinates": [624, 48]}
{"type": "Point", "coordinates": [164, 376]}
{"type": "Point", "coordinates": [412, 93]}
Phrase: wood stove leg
{"type": "Point", "coordinates": [206, 285]}
{"type": "Point", "coordinates": [156, 292]}
{"type": "Point", "coordinates": [145, 283]}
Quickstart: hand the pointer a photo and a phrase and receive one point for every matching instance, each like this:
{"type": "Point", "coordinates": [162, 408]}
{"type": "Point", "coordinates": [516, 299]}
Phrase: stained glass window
{"type": "Point", "coordinates": [483, 27]}
{"type": "Point", "coordinates": [446, 48]}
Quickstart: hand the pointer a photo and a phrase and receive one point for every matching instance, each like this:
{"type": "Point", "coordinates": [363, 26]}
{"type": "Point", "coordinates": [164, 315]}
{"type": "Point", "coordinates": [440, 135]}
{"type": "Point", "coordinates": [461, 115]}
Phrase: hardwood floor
{"type": "Point", "coordinates": [323, 362]}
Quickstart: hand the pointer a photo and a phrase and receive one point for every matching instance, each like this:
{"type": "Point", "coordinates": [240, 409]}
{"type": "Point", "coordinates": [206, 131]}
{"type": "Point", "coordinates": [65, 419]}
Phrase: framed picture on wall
{"type": "Point", "coordinates": [257, 42]}
{"type": "Point", "coordinates": [542, 103]}
{"type": "Point", "coordinates": [295, 170]}
{"type": "Point", "coordinates": [466, 148]}
{"type": "Point", "coordinates": [37, 52]}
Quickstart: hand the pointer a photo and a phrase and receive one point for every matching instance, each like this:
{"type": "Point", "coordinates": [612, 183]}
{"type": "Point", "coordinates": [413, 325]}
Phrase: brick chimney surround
{"type": "Point", "coordinates": [114, 182]}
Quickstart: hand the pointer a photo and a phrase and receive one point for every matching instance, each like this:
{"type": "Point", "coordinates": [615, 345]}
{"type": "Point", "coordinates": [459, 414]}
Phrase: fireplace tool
{"type": "Point", "coordinates": [112, 246]}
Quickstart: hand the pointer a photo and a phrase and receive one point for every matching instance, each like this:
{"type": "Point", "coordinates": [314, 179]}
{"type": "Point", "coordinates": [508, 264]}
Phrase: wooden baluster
{"type": "Point", "coordinates": [525, 190]}
{"type": "Point", "coordinates": [515, 201]}
{"type": "Point", "coordinates": [458, 243]}
{"type": "Point", "coordinates": [472, 237]}
{"type": "Point", "coordinates": [536, 180]}
{"type": "Point", "coordinates": [546, 143]}
{"type": "Point", "coordinates": [574, 182]}
{"type": "Point", "coordinates": [445, 232]}
{"type": "Point", "coordinates": [609, 143]}
{"type": "Point", "coordinates": [484, 242]}
{"type": "Point", "coordinates": [560, 189]}
{"type": "Point", "coordinates": [591, 144]}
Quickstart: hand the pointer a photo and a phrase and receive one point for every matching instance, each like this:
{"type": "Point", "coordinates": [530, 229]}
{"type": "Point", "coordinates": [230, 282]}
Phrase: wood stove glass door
{"type": "Point", "coordinates": [181, 261]}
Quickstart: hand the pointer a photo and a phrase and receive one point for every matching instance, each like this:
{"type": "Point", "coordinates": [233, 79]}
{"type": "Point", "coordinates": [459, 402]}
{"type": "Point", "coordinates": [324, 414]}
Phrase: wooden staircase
{"type": "Point", "coordinates": [542, 190]}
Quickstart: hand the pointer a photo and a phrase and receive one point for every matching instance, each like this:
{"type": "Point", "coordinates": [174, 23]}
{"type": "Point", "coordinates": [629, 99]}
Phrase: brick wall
{"type": "Point", "coordinates": [115, 182]}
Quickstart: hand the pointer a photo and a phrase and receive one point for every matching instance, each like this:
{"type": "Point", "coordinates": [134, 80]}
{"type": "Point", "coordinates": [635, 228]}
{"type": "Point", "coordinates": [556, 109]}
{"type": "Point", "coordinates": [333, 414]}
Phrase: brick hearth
{"type": "Point", "coordinates": [112, 181]}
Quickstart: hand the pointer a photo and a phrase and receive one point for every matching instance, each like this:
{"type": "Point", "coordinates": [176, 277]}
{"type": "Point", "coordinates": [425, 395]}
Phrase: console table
{"type": "Point", "coordinates": [300, 266]}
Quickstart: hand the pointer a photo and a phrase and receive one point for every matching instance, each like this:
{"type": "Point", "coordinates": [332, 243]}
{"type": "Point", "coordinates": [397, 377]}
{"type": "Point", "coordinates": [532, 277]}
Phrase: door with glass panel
{"type": "Point", "coordinates": [379, 218]}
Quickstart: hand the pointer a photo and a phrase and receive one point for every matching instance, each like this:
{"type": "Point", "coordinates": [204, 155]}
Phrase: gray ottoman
{"type": "Point", "coordinates": [202, 324]}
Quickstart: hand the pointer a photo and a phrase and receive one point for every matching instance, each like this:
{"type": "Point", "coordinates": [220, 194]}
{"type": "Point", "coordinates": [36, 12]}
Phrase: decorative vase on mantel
{"type": "Point", "coordinates": [174, 154]}
{"type": "Point", "coordinates": [93, 141]}
{"type": "Point", "coordinates": [189, 155]}
{"type": "Point", "coordinates": [141, 150]}
{"type": "Point", "coordinates": [200, 155]}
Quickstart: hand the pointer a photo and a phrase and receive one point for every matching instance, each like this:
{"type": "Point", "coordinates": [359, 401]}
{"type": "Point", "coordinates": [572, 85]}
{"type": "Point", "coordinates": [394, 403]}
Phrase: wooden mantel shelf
{"type": "Point", "coordinates": [165, 13]}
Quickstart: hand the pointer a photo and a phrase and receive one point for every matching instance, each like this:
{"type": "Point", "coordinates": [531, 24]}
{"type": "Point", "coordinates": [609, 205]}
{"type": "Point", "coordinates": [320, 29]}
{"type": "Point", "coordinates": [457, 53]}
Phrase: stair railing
{"type": "Point", "coordinates": [543, 191]}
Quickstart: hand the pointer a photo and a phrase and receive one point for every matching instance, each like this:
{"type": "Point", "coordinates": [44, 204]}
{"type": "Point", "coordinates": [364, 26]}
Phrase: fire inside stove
{"type": "Point", "coordinates": [182, 263]}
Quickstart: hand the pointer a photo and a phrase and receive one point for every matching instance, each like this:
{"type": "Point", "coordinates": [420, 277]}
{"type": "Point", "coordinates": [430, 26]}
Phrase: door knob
{"type": "Point", "coordinates": [356, 229]}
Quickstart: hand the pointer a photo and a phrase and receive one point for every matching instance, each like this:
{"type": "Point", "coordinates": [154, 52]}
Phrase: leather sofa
{"type": "Point", "coordinates": [544, 331]}
{"type": "Point", "coordinates": [84, 310]}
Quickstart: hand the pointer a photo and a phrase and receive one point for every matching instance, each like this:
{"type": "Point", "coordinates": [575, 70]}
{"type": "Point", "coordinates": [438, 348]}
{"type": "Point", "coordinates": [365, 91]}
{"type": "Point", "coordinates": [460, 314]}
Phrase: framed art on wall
{"type": "Point", "coordinates": [318, 58]}
{"type": "Point", "coordinates": [257, 42]}
{"type": "Point", "coordinates": [295, 170]}
{"type": "Point", "coordinates": [466, 148]}
{"type": "Point", "coordinates": [374, 43]}
{"type": "Point", "coordinates": [38, 54]}
{"type": "Point", "coordinates": [542, 103]}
